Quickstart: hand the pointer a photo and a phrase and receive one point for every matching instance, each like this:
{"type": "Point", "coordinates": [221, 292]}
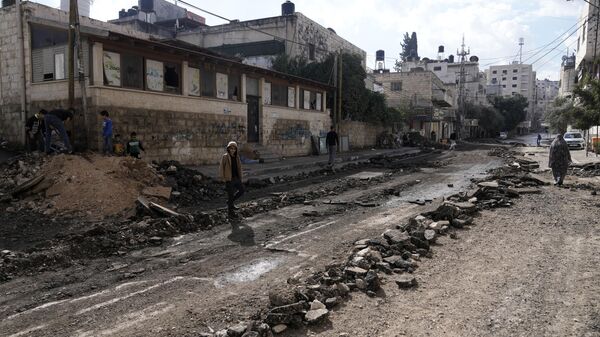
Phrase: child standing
{"type": "Point", "coordinates": [134, 146]}
{"type": "Point", "coordinates": [107, 133]}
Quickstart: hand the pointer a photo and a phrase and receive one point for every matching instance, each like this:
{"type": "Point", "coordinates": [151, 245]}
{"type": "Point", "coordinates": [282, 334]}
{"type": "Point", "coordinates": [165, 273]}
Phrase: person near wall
{"type": "Point", "coordinates": [539, 139]}
{"type": "Point", "coordinates": [331, 141]}
{"type": "Point", "coordinates": [34, 126]}
{"type": "Point", "coordinates": [55, 120]}
{"type": "Point", "coordinates": [230, 171]}
{"type": "Point", "coordinates": [559, 159]}
{"type": "Point", "coordinates": [134, 146]}
{"type": "Point", "coordinates": [107, 133]}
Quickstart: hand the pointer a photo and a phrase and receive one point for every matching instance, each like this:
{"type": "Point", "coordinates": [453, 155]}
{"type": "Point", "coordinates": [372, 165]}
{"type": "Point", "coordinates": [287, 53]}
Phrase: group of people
{"type": "Point", "coordinates": [41, 126]}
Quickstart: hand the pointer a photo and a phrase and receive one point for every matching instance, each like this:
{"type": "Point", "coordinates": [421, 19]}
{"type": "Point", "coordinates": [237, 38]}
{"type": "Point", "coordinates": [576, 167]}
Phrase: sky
{"type": "Point", "coordinates": [491, 29]}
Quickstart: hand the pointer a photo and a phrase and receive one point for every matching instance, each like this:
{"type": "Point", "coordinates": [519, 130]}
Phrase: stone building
{"type": "Point", "coordinates": [428, 101]}
{"type": "Point", "coordinates": [568, 76]}
{"type": "Point", "coordinates": [546, 92]}
{"type": "Point", "coordinates": [258, 41]}
{"type": "Point", "coordinates": [184, 102]}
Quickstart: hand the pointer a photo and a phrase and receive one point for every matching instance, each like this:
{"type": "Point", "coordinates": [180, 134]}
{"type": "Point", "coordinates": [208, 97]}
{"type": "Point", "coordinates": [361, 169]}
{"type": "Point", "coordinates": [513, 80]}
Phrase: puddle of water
{"type": "Point", "coordinates": [248, 273]}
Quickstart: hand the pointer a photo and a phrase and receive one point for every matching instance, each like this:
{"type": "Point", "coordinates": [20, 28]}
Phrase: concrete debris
{"type": "Point", "coordinates": [314, 316]}
{"type": "Point", "coordinates": [406, 281]}
{"type": "Point", "coordinates": [279, 328]}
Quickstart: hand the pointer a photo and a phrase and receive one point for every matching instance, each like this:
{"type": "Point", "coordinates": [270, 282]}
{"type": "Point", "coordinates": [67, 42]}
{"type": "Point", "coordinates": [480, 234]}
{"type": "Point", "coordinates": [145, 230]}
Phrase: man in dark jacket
{"type": "Point", "coordinates": [331, 142]}
{"type": "Point", "coordinates": [54, 120]}
{"type": "Point", "coordinates": [35, 132]}
{"type": "Point", "coordinates": [230, 171]}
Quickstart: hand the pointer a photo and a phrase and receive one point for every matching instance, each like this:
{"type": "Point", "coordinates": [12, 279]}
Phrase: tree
{"type": "Point", "coordinates": [587, 94]}
{"type": "Point", "coordinates": [358, 103]}
{"type": "Point", "coordinates": [489, 118]}
{"type": "Point", "coordinates": [410, 48]}
{"type": "Point", "coordinates": [560, 114]}
{"type": "Point", "coordinates": [512, 109]}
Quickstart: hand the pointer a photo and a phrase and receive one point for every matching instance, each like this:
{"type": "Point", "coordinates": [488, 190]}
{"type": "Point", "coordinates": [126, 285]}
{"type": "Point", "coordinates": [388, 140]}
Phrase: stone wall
{"type": "Point", "coordinates": [287, 132]}
{"type": "Point", "coordinates": [361, 134]}
{"type": "Point", "coordinates": [190, 130]}
{"type": "Point", "coordinates": [10, 107]}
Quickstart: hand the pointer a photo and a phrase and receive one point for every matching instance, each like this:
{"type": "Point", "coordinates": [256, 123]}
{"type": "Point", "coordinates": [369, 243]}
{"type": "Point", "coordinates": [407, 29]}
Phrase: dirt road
{"type": "Point", "coordinates": [530, 270]}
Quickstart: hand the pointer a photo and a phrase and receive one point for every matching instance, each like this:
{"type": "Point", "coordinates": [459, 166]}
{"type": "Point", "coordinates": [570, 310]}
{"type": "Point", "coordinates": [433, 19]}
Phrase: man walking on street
{"type": "Point", "coordinates": [107, 133]}
{"type": "Point", "coordinates": [331, 142]}
{"type": "Point", "coordinates": [54, 120]}
{"type": "Point", "coordinates": [539, 139]}
{"type": "Point", "coordinates": [560, 158]}
{"type": "Point", "coordinates": [230, 171]}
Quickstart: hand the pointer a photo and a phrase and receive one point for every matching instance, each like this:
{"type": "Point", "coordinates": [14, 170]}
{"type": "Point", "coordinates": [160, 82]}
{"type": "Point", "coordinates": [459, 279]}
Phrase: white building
{"type": "Point", "coordinates": [513, 79]}
{"type": "Point", "coordinates": [568, 76]}
{"type": "Point", "coordinates": [587, 44]}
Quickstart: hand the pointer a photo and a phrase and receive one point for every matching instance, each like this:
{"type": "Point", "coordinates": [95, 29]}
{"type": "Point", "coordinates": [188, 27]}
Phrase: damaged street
{"type": "Point", "coordinates": [434, 243]}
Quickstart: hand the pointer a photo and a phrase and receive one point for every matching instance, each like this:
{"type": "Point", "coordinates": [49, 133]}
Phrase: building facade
{"type": "Point", "coordinates": [546, 93]}
{"type": "Point", "coordinates": [514, 79]}
{"type": "Point", "coordinates": [568, 76]}
{"type": "Point", "coordinates": [184, 103]}
{"type": "Point", "coordinates": [424, 95]}
{"type": "Point", "coordinates": [588, 47]}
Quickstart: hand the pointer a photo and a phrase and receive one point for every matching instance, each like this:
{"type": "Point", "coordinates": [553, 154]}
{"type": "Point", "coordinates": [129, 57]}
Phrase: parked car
{"type": "Point", "coordinates": [574, 140]}
{"type": "Point", "coordinates": [503, 135]}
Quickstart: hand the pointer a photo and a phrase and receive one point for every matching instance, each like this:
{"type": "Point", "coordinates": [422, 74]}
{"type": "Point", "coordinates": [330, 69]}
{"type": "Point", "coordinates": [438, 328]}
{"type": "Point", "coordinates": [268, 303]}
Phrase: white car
{"type": "Point", "coordinates": [574, 140]}
{"type": "Point", "coordinates": [503, 135]}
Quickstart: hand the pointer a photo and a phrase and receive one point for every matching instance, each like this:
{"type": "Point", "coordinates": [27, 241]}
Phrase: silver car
{"type": "Point", "coordinates": [574, 140]}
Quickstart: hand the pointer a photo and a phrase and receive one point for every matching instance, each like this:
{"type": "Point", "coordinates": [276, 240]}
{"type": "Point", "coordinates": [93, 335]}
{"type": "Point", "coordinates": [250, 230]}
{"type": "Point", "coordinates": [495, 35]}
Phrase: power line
{"type": "Point", "coordinates": [559, 44]}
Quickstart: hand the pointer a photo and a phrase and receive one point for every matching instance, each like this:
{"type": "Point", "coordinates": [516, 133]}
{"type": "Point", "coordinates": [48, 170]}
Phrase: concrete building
{"type": "Point", "coordinates": [428, 101]}
{"type": "Point", "coordinates": [255, 42]}
{"type": "Point", "coordinates": [587, 41]}
{"type": "Point", "coordinates": [512, 79]}
{"type": "Point", "coordinates": [568, 76]}
{"type": "Point", "coordinates": [184, 103]}
{"type": "Point", "coordinates": [546, 93]}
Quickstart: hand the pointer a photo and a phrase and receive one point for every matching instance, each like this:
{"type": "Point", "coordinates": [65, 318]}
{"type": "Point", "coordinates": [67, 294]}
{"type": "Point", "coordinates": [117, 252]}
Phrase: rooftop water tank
{"type": "Point", "coordinates": [288, 8]}
{"type": "Point", "coordinates": [146, 5]}
{"type": "Point", "coordinates": [474, 59]}
{"type": "Point", "coordinates": [451, 59]}
{"type": "Point", "coordinates": [440, 49]}
{"type": "Point", "coordinates": [380, 55]}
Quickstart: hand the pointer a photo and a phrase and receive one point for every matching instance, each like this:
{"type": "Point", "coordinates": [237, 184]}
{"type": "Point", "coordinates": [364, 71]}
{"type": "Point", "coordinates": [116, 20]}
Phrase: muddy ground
{"type": "Point", "coordinates": [528, 270]}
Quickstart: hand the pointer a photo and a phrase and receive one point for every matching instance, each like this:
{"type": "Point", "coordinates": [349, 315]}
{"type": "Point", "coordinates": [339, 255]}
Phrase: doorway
{"type": "Point", "coordinates": [253, 122]}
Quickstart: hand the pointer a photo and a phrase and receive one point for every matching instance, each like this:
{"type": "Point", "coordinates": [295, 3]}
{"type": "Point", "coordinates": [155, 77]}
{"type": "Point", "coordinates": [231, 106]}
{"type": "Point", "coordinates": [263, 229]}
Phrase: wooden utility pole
{"type": "Point", "coordinates": [339, 97]}
{"type": "Point", "coordinates": [335, 92]}
{"type": "Point", "coordinates": [71, 52]}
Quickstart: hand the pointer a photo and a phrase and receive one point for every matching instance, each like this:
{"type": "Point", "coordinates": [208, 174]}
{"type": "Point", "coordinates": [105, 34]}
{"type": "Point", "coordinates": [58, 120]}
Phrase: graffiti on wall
{"type": "Point", "coordinates": [291, 130]}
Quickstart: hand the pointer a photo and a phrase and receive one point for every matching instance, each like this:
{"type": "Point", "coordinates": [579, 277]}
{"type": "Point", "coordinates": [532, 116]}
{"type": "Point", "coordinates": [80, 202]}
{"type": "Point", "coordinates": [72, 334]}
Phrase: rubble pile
{"type": "Point", "coordinates": [504, 152]}
{"type": "Point", "coordinates": [18, 171]}
{"type": "Point", "coordinates": [90, 186]}
{"type": "Point", "coordinates": [585, 170]}
{"type": "Point", "coordinates": [101, 240]}
{"type": "Point", "coordinates": [189, 186]}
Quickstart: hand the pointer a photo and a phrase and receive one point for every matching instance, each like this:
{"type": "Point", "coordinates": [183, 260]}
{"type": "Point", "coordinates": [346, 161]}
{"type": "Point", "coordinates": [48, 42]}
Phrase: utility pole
{"type": "Point", "coordinates": [339, 105]}
{"type": "Point", "coordinates": [71, 52]}
{"type": "Point", "coordinates": [81, 77]}
{"type": "Point", "coordinates": [335, 92]}
{"type": "Point", "coordinates": [461, 83]}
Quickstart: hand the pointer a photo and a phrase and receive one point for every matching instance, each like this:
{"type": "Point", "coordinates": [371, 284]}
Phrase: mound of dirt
{"type": "Point", "coordinates": [92, 185]}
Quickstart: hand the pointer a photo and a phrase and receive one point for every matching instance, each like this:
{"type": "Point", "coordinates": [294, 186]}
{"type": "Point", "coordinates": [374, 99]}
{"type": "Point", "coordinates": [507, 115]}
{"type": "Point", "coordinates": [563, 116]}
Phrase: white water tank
{"type": "Point", "coordinates": [83, 6]}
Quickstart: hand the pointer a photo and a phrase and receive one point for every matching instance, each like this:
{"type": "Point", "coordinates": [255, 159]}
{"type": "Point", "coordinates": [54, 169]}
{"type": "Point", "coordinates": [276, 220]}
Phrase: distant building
{"type": "Point", "coordinates": [512, 79]}
{"type": "Point", "coordinates": [429, 103]}
{"type": "Point", "coordinates": [546, 93]}
{"type": "Point", "coordinates": [255, 42]}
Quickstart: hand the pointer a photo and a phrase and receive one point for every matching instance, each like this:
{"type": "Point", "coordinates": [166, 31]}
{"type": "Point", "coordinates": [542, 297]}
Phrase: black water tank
{"type": "Point", "coordinates": [6, 3]}
{"type": "Point", "coordinates": [380, 55]}
{"type": "Point", "coordinates": [451, 59]}
{"type": "Point", "coordinates": [288, 8]}
{"type": "Point", "coordinates": [132, 12]}
{"type": "Point", "coordinates": [122, 13]}
{"type": "Point", "coordinates": [440, 49]}
{"type": "Point", "coordinates": [146, 5]}
{"type": "Point", "coordinates": [474, 59]}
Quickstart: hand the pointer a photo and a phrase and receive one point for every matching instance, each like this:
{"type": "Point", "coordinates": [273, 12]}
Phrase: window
{"type": "Point", "coordinates": [504, 86]}
{"type": "Point", "coordinates": [514, 78]}
{"type": "Point", "coordinates": [222, 85]}
{"type": "Point", "coordinates": [131, 71]}
{"type": "Point", "coordinates": [305, 96]}
{"type": "Point", "coordinates": [515, 70]}
{"type": "Point", "coordinates": [234, 87]}
{"type": "Point", "coordinates": [396, 86]}
{"type": "Point", "coordinates": [504, 78]}
{"type": "Point", "coordinates": [438, 68]}
{"type": "Point", "coordinates": [172, 75]}
{"type": "Point", "coordinates": [59, 66]}
{"type": "Point", "coordinates": [155, 76]}
{"type": "Point", "coordinates": [279, 94]}
{"type": "Point", "coordinates": [514, 85]}
{"type": "Point", "coordinates": [583, 33]}
{"type": "Point", "coordinates": [504, 71]}
{"type": "Point", "coordinates": [311, 51]}
{"type": "Point", "coordinates": [207, 81]}
{"type": "Point", "coordinates": [112, 68]}
{"type": "Point", "coordinates": [494, 80]}
{"type": "Point", "coordinates": [494, 71]}
{"type": "Point", "coordinates": [194, 81]}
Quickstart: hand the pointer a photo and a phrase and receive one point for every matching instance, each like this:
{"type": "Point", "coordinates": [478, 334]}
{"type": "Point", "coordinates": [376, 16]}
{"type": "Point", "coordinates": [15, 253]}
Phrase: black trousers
{"type": "Point", "coordinates": [235, 189]}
